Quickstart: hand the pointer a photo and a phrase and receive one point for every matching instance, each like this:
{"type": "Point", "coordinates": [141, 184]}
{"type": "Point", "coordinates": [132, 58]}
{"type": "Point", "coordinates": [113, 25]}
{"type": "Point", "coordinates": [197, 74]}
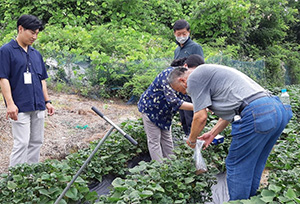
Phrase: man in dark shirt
{"type": "Point", "coordinates": [186, 47]}
{"type": "Point", "coordinates": [23, 85]}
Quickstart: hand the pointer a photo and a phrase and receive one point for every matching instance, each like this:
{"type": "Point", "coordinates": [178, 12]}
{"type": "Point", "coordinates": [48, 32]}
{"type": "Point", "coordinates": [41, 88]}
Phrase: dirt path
{"type": "Point", "coordinates": [72, 127]}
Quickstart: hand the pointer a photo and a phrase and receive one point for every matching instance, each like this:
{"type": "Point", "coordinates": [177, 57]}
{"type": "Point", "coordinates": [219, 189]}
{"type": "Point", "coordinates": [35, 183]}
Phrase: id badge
{"type": "Point", "coordinates": [27, 78]}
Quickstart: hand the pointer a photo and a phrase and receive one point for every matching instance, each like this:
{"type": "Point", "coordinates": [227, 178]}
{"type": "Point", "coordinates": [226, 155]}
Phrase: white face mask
{"type": "Point", "coordinates": [182, 40]}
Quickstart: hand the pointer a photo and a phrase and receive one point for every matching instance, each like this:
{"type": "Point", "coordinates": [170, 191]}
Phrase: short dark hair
{"type": "Point", "coordinates": [176, 73]}
{"type": "Point", "coordinates": [181, 24]}
{"type": "Point", "coordinates": [178, 62]}
{"type": "Point", "coordinates": [194, 60]}
{"type": "Point", "coordinates": [30, 22]}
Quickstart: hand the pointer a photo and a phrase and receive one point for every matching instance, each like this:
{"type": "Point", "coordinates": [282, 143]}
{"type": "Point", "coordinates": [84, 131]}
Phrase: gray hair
{"type": "Point", "coordinates": [176, 73]}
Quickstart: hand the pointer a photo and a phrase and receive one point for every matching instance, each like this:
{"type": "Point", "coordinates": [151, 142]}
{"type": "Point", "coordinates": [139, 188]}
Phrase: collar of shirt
{"type": "Point", "coordinates": [15, 45]}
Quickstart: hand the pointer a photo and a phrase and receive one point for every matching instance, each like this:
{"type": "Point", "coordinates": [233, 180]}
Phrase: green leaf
{"type": "Point", "coordinates": [156, 187]}
{"type": "Point", "coordinates": [274, 188]}
{"type": "Point", "coordinates": [17, 177]}
{"type": "Point", "coordinates": [297, 200]}
{"type": "Point", "coordinates": [268, 193]}
{"type": "Point", "coordinates": [283, 199]}
{"type": "Point", "coordinates": [267, 199]}
{"type": "Point", "coordinates": [92, 195]}
{"type": "Point", "coordinates": [44, 192]}
{"type": "Point", "coordinates": [64, 179]}
{"type": "Point", "coordinates": [109, 168]}
{"type": "Point", "coordinates": [118, 182]}
{"type": "Point", "coordinates": [134, 194]}
{"type": "Point", "coordinates": [257, 200]}
{"type": "Point", "coordinates": [189, 180]}
{"type": "Point", "coordinates": [146, 193]}
{"type": "Point", "coordinates": [80, 180]}
{"type": "Point", "coordinates": [53, 189]}
{"type": "Point", "coordinates": [72, 193]}
{"type": "Point", "coordinates": [62, 201]}
{"type": "Point", "coordinates": [119, 185]}
{"type": "Point", "coordinates": [290, 194]}
{"type": "Point", "coordinates": [115, 197]}
{"type": "Point", "coordinates": [131, 183]}
{"type": "Point", "coordinates": [138, 168]}
{"type": "Point", "coordinates": [11, 185]}
{"type": "Point", "coordinates": [45, 177]}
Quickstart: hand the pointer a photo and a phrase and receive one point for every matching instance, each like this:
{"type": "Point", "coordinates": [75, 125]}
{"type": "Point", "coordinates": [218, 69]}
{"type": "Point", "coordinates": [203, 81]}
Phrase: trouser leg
{"type": "Point", "coordinates": [183, 122]}
{"type": "Point", "coordinates": [166, 143]}
{"type": "Point", "coordinates": [153, 139]}
{"type": "Point", "coordinates": [189, 119]}
{"type": "Point", "coordinates": [186, 118]}
{"type": "Point", "coordinates": [284, 115]}
{"type": "Point", "coordinates": [252, 140]}
{"type": "Point", "coordinates": [21, 134]}
{"type": "Point", "coordinates": [36, 136]}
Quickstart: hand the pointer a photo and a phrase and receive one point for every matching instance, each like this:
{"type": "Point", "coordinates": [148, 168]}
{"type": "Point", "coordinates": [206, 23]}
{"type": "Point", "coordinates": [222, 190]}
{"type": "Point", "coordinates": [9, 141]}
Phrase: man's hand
{"type": "Point", "coordinates": [191, 143]}
{"type": "Point", "coordinates": [12, 112]}
{"type": "Point", "coordinates": [50, 109]}
{"type": "Point", "coordinates": [208, 138]}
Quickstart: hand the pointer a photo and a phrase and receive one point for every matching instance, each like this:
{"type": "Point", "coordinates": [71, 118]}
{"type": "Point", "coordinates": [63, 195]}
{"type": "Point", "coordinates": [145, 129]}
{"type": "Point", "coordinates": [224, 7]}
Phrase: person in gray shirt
{"type": "Point", "coordinates": [257, 120]}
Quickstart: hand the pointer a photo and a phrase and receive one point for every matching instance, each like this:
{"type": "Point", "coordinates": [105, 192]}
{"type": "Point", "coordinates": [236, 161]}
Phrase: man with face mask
{"type": "Point", "coordinates": [186, 47]}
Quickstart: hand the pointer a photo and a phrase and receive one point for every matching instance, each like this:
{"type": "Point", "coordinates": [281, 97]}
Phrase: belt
{"type": "Point", "coordinates": [248, 100]}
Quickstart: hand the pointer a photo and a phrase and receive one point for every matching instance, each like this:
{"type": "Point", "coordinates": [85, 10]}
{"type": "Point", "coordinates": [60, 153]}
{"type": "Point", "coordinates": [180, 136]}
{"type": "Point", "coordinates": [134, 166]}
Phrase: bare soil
{"type": "Point", "coordinates": [73, 126]}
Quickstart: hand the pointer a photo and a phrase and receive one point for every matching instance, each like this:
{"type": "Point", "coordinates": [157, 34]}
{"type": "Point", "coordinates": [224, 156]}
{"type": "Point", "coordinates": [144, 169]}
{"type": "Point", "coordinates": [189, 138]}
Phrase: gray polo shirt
{"type": "Point", "coordinates": [220, 88]}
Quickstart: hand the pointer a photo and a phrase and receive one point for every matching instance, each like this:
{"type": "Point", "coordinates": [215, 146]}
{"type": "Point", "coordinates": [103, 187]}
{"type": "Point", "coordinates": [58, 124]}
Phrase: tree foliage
{"type": "Point", "coordinates": [119, 38]}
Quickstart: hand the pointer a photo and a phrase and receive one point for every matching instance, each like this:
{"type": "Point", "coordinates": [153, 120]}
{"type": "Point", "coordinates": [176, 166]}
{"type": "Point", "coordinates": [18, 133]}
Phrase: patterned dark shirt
{"type": "Point", "coordinates": [160, 102]}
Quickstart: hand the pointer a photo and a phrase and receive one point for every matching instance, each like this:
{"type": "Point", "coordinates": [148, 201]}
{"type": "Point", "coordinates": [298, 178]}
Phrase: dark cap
{"type": "Point", "coordinates": [30, 22]}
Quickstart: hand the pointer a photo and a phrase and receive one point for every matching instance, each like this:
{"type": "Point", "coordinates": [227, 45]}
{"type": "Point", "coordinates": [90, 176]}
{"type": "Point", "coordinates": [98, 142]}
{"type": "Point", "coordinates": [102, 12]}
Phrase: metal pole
{"type": "Point", "coordinates": [95, 150]}
{"type": "Point", "coordinates": [128, 137]}
{"type": "Point", "coordinates": [84, 165]}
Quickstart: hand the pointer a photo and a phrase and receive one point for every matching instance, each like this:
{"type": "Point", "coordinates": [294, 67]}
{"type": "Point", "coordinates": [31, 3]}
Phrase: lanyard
{"type": "Point", "coordinates": [26, 56]}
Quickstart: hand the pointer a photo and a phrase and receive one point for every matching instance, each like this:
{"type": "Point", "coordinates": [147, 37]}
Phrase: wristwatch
{"type": "Point", "coordinates": [192, 143]}
{"type": "Point", "coordinates": [49, 101]}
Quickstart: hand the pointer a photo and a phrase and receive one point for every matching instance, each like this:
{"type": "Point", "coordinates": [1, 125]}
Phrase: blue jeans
{"type": "Point", "coordinates": [253, 137]}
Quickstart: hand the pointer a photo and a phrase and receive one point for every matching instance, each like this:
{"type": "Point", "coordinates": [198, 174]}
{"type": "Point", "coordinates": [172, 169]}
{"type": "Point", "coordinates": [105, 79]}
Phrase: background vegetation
{"type": "Point", "coordinates": [126, 43]}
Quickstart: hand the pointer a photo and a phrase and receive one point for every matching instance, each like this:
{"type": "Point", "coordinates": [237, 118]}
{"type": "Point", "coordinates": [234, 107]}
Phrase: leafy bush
{"type": "Point", "coordinates": [227, 19]}
{"type": "Point", "coordinates": [152, 16]}
{"type": "Point", "coordinates": [111, 62]}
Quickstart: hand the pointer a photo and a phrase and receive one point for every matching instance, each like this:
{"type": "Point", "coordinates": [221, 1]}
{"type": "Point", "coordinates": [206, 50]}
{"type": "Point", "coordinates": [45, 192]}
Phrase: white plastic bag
{"type": "Point", "coordinates": [199, 160]}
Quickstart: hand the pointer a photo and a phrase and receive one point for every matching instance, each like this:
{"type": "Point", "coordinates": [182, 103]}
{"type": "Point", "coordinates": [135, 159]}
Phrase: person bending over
{"type": "Point", "coordinates": [158, 104]}
{"type": "Point", "coordinates": [256, 117]}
